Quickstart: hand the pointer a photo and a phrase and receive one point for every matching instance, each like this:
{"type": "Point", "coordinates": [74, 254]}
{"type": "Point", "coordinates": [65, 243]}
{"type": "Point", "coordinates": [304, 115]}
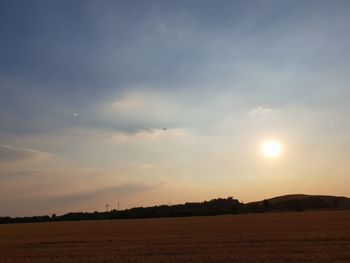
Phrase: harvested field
{"type": "Point", "coordinates": [274, 237]}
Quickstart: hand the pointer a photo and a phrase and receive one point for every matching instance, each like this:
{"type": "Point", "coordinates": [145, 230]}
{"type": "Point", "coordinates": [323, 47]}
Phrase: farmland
{"type": "Point", "coordinates": [322, 236]}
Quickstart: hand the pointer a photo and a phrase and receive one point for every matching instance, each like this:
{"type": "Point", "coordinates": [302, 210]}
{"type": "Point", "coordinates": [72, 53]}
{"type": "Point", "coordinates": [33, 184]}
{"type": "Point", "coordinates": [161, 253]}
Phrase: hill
{"type": "Point", "coordinates": [299, 202]}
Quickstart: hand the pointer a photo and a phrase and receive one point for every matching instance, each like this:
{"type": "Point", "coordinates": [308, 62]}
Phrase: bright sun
{"type": "Point", "coordinates": [271, 149]}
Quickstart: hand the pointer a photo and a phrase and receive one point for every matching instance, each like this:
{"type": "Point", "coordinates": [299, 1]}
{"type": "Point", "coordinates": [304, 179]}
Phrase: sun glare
{"type": "Point", "coordinates": [271, 149]}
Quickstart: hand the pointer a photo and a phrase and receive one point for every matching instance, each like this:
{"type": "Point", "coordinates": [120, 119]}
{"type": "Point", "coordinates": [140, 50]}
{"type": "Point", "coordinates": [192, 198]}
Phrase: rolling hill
{"type": "Point", "coordinates": [300, 202]}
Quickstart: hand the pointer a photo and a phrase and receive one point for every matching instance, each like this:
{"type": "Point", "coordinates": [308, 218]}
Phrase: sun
{"type": "Point", "coordinates": [271, 149]}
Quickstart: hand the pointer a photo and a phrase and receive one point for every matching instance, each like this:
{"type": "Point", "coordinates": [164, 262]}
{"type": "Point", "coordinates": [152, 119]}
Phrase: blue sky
{"type": "Point", "coordinates": [87, 86]}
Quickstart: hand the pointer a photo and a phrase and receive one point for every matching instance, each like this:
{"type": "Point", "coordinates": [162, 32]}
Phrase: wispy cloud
{"type": "Point", "coordinates": [118, 192]}
{"type": "Point", "coordinates": [10, 153]}
{"type": "Point", "coordinates": [132, 102]}
{"type": "Point", "coordinates": [259, 111]}
{"type": "Point", "coordinates": [76, 201]}
{"type": "Point", "coordinates": [151, 135]}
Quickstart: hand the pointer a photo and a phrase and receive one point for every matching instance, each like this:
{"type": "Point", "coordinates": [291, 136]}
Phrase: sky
{"type": "Point", "coordinates": [88, 86]}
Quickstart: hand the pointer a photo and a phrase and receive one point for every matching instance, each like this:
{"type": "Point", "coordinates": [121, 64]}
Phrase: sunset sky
{"type": "Point", "coordinates": [86, 88]}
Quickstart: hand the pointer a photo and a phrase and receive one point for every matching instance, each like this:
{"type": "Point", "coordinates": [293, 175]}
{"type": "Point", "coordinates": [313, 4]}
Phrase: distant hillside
{"type": "Point", "coordinates": [220, 206]}
{"type": "Point", "coordinates": [300, 202]}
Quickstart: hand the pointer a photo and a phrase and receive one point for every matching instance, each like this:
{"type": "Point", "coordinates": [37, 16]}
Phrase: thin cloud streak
{"type": "Point", "coordinates": [119, 191]}
{"type": "Point", "coordinates": [10, 153]}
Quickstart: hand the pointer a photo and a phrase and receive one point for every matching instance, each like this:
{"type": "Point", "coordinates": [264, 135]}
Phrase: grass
{"type": "Point", "coordinates": [274, 237]}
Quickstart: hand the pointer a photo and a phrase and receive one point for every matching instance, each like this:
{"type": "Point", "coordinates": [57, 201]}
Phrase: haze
{"type": "Point", "coordinates": [157, 102]}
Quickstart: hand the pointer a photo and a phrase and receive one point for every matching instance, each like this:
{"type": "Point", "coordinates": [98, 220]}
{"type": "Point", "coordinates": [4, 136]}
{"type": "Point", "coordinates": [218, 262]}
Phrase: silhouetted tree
{"type": "Point", "coordinates": [297, 206]}
{"type": "Point", "coordinates": [266, 204]}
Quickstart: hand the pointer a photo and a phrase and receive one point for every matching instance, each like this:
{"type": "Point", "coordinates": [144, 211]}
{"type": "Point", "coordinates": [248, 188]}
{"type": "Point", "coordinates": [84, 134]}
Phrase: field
{"type": "Point", "coordinates": [275, 237]}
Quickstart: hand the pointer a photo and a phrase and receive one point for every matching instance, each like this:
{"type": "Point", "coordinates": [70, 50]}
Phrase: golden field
{"type": "Point", "coordinates": [273, 237]}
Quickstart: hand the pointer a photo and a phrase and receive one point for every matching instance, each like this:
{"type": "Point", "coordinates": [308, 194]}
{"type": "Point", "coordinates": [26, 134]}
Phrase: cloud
{"type": "Point", "coordinates": [259, 111]}
{"type": "Point", "coordinates": [10, 153]}
{"type": "Point", "coordinates": [22, 174]}
{"type": "Point", "coordinates": [74, 201]}
{"type": "Point", "coordinates": [141, 113]}
{"type": "Point", "coordinates": [143, 102]}
{"type": "Point", "coordinates": [132, 102]}
{"type": "Point", "coordinates": [154, 135]}
{"type": "Point", "coordinates": [121, 191]}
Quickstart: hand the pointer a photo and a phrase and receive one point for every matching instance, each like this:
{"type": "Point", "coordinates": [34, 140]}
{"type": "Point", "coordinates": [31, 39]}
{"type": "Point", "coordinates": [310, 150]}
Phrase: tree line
{"type": "Point", "coordinates": [219, 206]}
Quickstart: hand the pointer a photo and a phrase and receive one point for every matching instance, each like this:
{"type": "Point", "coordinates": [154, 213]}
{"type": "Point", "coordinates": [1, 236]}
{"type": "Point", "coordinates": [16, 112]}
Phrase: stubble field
{"type": "Point", "coordinates": [276, 237]}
